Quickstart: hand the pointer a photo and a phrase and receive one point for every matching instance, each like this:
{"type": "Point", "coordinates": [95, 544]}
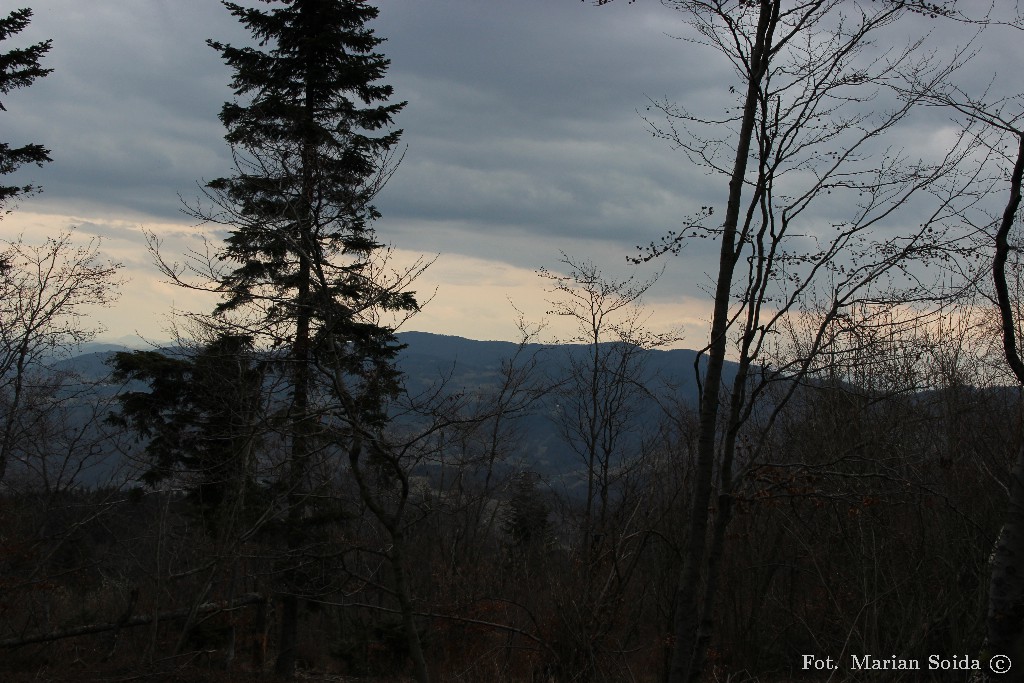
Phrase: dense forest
{"type": "Point", "coordinates": [828, 488]}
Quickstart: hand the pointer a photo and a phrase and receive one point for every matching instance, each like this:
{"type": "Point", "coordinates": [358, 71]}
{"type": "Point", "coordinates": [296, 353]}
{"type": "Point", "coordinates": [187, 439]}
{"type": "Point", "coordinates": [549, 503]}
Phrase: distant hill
{"type": "Point", "coordinates": [468, 359]}
{"type": "Point", "coordinates": [460, 365]}
{"type": "Point", "coordinates": [466, 363]}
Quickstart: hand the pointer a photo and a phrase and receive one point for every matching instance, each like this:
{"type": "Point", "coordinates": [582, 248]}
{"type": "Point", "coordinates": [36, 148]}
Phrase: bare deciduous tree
{"type": "Point", "coordinates": [997, 123]}
{"type": "Point", "coordinates": [812, 211]}
{"type": "Point", "coordinates": [601, 395]}
{"type": "Point", "coordinates": [46, 292]}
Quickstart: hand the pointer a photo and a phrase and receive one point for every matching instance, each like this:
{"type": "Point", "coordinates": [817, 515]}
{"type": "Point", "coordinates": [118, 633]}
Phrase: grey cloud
{"type": "Point", "coordinates": [130, 111]}
{"type": "Point", "coordinates": [522, 126]}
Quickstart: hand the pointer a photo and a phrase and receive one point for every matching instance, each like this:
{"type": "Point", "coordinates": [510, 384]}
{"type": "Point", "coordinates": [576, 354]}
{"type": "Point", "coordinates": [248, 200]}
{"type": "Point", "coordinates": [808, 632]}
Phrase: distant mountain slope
{"type": "Point", "coordinates": [470, 366]}
{"type": "Point", "coordinates": [457, 364]}
{"type": "Point", "coordinates": [465, 359]}
{"type": "Point", "coordinates": [431, 357]}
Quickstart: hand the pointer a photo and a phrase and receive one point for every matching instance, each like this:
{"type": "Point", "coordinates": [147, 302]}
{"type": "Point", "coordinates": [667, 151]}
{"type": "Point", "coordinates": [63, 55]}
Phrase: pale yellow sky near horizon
{"type": "Point", "coordinates": [468, 296]}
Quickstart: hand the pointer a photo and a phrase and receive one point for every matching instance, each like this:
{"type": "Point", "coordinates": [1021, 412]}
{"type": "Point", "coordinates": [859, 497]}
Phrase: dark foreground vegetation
{"type": "Point", "coordinates": [866, 520]}
{"type": "Point", "coordinates": [839, 477]}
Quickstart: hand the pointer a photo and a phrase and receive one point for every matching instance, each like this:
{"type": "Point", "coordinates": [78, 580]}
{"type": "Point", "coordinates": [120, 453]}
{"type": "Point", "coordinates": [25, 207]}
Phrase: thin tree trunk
{"type": "Point", "coordinates": [7, 441]}
{"type": "Point", "coordinates": [412, 636]}
{"type": "Point", "coordinates": [392, 524]}
{"type": "Point", "coordinates": [285, 663]}
{"type": "Point", "coordinates": [687, 655]}
{"type": "Point", "coordinates": [1005, 622]}
{"type": "Point", "coordinates": [301, 356]}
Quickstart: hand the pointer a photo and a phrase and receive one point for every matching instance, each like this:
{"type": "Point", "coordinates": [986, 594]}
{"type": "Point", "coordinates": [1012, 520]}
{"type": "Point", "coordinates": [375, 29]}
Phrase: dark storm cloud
{"type": "Point", "coordinates": [524, 126]}
{"type": "Point", "coordinates": [522, 116]}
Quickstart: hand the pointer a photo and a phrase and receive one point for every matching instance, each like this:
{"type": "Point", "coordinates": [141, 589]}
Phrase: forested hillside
{"type": "Point", "coordinates": [828, 487]}
{"type": "Point", "coordinates": [872, 509]}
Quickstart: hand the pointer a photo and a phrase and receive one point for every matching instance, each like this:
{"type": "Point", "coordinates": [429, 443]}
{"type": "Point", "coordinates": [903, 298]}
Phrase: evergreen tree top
{"type": "Point", "coordinates": [310, 127]}
{"type": "Point", "coordinates": [19, 67]}
{"type": "Point", "coordinates": [319, 65]}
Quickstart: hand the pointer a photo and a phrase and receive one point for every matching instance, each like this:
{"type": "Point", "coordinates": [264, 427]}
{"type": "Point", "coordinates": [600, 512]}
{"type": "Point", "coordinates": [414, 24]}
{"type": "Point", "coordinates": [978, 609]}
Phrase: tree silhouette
{"type": "Point", "coordinates": [19, 68]}
{"type": "Point", "coordinates": [200, 417]}
{"type": "Point", "coordinates": [309, 133]}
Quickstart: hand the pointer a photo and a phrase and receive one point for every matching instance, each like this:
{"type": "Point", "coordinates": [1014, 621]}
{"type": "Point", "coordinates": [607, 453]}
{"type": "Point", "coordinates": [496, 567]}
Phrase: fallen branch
{"type": "Point", "coordinates": [141, 620]}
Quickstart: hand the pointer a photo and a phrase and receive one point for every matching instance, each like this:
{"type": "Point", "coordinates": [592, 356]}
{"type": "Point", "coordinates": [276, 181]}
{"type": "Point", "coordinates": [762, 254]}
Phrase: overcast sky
{"type": "Point", "coordinates": [522, 131]}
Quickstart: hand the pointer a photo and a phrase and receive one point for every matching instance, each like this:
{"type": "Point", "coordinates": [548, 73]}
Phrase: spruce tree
{"type": "Point", "coordinates": [18, 69]}
{"type": "Point", "coordinates": [310, 131]}
{"type": "Point", "coordinates": [199, 420]}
